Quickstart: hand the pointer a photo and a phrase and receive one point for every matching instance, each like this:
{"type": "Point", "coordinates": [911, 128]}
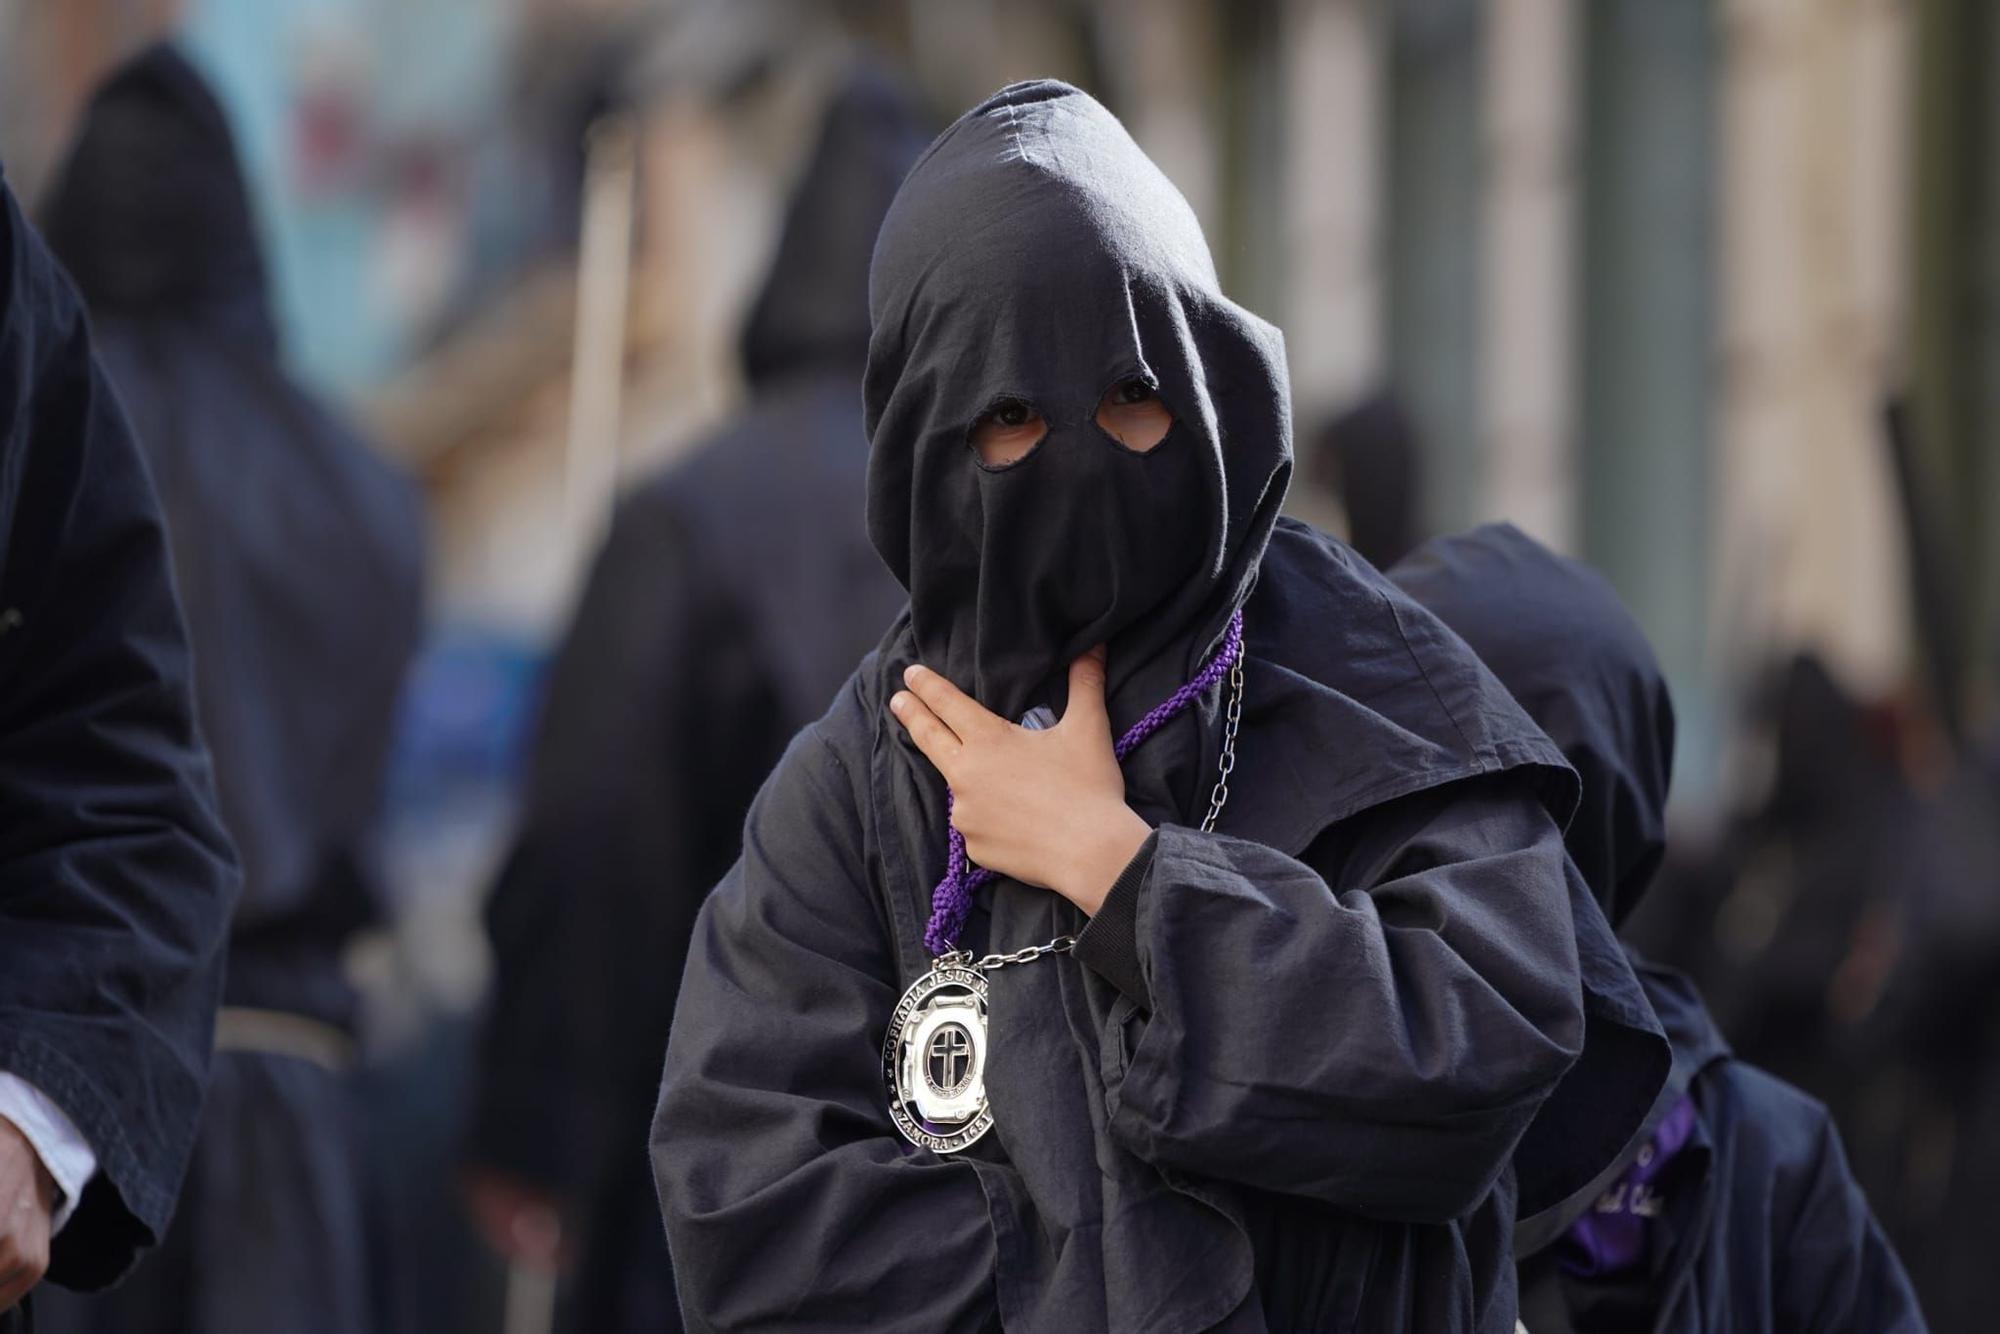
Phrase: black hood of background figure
{"type": "Point", "coordinates": [1559, 639]}
{"type": "Point", "coordinates": [1036, 253]}
{"type": "Point", "coordinates": [812, 312]}
{"type": "Point", "coordinates": [150, 213]}
{"type": "Point", "coordinates": [1562, 644]}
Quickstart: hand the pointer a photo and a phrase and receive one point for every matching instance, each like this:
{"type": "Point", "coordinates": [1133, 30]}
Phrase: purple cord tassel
{"type": "Point", "coordinates": [951, 901]}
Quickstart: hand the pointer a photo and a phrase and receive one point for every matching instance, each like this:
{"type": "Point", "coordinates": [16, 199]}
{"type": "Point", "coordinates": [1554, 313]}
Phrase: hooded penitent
{"type": "Point", "coordinates": [1751, 1220]}
{"type": "Point", "coordinates": [1282, 1081]}
{"type": "Point", "coordinates": [297, 550]}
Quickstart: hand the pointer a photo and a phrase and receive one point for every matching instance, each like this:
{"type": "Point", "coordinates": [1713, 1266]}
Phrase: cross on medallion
{"type": "Point", "coordinates": [950, 1058]}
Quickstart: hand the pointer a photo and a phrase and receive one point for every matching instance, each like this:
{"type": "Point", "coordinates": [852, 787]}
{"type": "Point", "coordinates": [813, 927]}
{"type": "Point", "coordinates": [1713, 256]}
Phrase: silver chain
{"type": "Point", "coordinates": [1060, 945]}
{"type": "Point", "coordinates": [1232, 721]}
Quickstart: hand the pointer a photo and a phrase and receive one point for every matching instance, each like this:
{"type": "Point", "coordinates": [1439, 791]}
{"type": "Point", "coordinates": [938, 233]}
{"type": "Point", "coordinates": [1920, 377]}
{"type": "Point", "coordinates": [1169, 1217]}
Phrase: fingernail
{"type": "Point", "coordinates": [910, 672]}
{"type": "Point", "coordinates": [896, 702]}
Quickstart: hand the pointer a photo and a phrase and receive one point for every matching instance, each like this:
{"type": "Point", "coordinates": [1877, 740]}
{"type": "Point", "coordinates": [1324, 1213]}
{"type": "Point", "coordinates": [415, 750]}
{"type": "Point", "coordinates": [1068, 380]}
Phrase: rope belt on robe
{"type": "Point", "coordinates": [240, 1028]}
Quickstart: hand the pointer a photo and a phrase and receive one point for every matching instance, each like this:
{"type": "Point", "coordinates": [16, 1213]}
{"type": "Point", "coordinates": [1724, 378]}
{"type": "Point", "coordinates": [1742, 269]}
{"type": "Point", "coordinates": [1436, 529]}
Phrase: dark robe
{"type": "Point", "coordinates": [1353, 996]}
{"type": "Point", "coordinates": [1844, 932]}
{"type": "Point", "coordinates": [116, 879]}
{"type": "Point", "coordinates": [735, 593]}
{"type": "Point", "coordinates": [1763, 1226]}
{"type": "Point", "coordinates": [1937, 1024]}
{"type": "Point", "coordinates": [298, 553]}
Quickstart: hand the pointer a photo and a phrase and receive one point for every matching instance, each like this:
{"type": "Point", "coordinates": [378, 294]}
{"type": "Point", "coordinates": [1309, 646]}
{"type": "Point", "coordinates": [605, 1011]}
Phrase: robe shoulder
{"type": "Point", "coordinates": [1339, 620]}
{"type": "Point", "coordinates": [841, 741]}
{"type": "Point", "coordinates": [1358, 696]}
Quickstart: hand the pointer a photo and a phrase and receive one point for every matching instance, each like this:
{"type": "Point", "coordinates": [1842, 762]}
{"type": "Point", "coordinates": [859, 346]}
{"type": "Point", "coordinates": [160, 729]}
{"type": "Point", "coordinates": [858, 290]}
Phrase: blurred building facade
{"type": "Point", "coordinates": [1644, 274]}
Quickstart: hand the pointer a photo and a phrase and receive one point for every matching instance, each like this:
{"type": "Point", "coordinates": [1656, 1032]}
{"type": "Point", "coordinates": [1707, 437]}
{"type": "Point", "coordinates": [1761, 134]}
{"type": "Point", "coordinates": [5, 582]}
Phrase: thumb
{"type": "Point", "coordinates": [1086, 689]}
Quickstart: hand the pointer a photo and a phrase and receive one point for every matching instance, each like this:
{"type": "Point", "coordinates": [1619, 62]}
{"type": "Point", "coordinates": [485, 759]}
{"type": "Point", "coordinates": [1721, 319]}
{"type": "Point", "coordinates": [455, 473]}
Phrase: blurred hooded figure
{"type": "Point", "coordinates": [1736, 1210]}
{"type": "Point", "coordinates": [298, 554]}
{"type": "Point", "coordinates": [116, 879]}
{"type": "Point", "coordinates": [1369, 456]}
{"type": "Point", "coordinates": [736, 591]}
{"type": "Point", "coordinates": [1281, 1079]}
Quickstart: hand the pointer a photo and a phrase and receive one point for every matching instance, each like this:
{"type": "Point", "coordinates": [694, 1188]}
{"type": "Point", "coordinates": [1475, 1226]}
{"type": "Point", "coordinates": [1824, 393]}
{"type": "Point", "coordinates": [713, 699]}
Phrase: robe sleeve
{"type": "Point", "coordinates": [1371, 1027]}
{"type": "Point", "coordinates": [789, 1198]}
{"type": "Point", "coordinates": [1836, 1269]}
{"type": "Point", "coordinates": [116, 880]}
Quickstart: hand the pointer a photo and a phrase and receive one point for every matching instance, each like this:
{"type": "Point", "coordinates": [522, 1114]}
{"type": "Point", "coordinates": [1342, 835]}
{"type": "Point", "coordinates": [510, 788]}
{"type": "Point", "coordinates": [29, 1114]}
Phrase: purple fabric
{"type": "Point", "coordinates": [951, 900]}
{"type": "Point", "coordinates": [1613, 1236]}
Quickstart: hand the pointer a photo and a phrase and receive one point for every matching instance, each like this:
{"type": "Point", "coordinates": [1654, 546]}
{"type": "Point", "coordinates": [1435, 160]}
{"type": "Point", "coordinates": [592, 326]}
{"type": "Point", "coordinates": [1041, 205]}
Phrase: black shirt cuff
{"type": "Point", "coordinates": [1109, 946]}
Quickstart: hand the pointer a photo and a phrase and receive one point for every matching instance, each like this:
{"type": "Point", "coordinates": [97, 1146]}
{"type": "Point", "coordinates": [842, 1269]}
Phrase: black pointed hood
{"type": "Point", "coordinates": [1559, 639]}
{"type": "Point", "coordinates": [150, 212]}
{"type": "Point", "coordinates": [1036, 254]}
{"type": "Point", "coordinates": [812, 312]}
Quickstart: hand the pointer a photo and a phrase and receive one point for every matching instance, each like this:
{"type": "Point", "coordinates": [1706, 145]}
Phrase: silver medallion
{"type": "Point", "coordinates": [935, 1058]}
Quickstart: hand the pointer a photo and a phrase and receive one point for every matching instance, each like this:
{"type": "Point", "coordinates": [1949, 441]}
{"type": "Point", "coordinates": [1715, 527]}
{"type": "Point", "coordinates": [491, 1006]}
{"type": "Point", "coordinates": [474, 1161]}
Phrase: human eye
{"type": "Point", "coordinates": [1007, 432]}
{"type": "Point", "coordinates": [1132, 414]}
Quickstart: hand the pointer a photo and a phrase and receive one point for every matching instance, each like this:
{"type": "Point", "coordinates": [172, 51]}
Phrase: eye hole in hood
{"type": "Point", "coordinates": [1132, 414]}
{"type": "Point", "coordinates": [1007, 433]}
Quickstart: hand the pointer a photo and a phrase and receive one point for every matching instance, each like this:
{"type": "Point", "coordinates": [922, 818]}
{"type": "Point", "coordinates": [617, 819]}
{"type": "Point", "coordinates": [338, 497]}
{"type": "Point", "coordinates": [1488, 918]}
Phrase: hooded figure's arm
{"type": "Point", "coordinates": [1836, 1270]}
{"type": "Point", "coordinates": [116, 880]}
{"type": "Point", "coordinates": [789, 1198]}
{"type": "Point", "coordinates": [1372, 1026]}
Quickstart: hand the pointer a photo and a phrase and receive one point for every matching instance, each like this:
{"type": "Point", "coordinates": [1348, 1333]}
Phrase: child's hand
{"type": "Point", "coordinates": [1047, 808]}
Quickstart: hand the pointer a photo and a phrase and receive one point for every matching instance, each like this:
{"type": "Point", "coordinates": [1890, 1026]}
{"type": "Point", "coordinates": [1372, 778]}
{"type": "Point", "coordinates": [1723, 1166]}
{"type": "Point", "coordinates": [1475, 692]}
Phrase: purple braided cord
{"type": "Point", "coordinates": [951, 901]}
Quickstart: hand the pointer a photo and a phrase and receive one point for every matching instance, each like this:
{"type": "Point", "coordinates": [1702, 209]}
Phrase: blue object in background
{"type": "Point", "coordinates": [467, 719]}
{"type": "Point", "coordinates": [361, 122]}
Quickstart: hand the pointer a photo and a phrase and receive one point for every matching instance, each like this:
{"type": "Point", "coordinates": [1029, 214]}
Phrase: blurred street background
{"type": "Point", "coordinates": [1706, 292]}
